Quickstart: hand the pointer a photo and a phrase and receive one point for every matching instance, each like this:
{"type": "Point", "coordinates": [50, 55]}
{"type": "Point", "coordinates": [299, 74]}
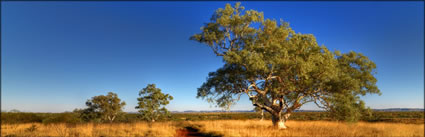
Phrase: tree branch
{"type": "Point", "coordinates": [325, 103]}
{"type": "Point", "coordinates": [269, 109]}
{"type": "Point", "coordinates": [254, 85]}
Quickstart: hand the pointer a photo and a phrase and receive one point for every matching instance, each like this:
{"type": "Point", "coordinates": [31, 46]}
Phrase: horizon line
{"type": "Point", "coordinates": [423, 109]}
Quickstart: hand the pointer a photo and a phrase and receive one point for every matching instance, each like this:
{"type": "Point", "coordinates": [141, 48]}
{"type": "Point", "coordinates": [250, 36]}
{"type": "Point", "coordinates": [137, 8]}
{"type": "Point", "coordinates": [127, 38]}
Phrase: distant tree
{"type": "Point", "coordinates": [103, 108]}
{"type": "Point", "coordinates": [14, 111]}
{"type": "Point", "coordinates": [88, 115]}
{"type": "Point", "coordinates": [261, 111]}
{"type": "Point", "coordinates": [268, 61]}
{"type": "Point", "coordinates": [225, 106]}
{"type": "Point", "coordinates": [151, 103]}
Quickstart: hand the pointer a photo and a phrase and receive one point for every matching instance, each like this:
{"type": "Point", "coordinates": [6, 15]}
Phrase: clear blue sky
{"type": "Point", "coordinates": [56, 55]}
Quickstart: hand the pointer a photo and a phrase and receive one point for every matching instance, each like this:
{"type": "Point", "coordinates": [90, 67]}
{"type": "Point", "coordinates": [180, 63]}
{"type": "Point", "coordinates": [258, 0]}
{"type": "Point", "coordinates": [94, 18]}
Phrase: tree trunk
{"type": "Point", "coordinates": [278, 121]}
{"type": "Point", "coordinates": [262, 115]}
{"type": "Point", "coordinates": [111, 119]}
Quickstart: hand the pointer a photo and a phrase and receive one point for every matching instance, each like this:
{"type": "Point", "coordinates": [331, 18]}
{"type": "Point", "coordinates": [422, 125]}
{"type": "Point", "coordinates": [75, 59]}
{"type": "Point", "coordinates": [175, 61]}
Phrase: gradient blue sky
{"type": "Point", "coordinates": [56, 55]}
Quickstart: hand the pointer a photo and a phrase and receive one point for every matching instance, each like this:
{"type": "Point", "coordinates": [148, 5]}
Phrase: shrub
{"type": "Point", "coordinates": [63, 118]}
{"type": "Point", "coordinates": [20, 117]}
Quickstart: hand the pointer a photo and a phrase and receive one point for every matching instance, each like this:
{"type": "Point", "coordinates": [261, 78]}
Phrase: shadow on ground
{"type": "Point", "coordinates": [192, 131]}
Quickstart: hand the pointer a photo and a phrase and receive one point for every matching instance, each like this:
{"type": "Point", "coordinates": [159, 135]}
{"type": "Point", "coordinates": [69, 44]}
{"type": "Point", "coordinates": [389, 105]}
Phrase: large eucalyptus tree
{"type": "Point", "coordinates": [278, 69]}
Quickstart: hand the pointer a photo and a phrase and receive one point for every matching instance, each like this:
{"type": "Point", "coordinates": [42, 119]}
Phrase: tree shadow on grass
{"type": "Point", "coordinates": [193, 131]}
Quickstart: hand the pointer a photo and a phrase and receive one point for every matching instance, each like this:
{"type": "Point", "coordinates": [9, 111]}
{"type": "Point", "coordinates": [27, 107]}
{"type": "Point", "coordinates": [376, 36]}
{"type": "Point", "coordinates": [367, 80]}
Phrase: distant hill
{"type": "Point", "coordinates": [207, 111]}
{"type": "Point", "coordinates": [385, 110]}
{"type": "Point", "coordinates": [400, 109]}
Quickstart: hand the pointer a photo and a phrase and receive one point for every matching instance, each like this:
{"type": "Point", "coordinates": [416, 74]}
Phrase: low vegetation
{"type": "Point", "coordinates": [219, 124]}
{"type": "Point", "coordinates": [70, 117]}
{"type": "Point", "coordinates": [308, 128]}
{"type": "Point", "coordinates": [89, 129]}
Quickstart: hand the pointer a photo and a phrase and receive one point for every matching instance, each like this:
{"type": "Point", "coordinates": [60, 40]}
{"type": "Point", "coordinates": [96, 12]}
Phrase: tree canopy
{"type": "Point", "coordinates": [280, 70]}
{"type": "Point", "coordinates": [151, 103]}
{"type": "Point", "coordinates": [102, 108]}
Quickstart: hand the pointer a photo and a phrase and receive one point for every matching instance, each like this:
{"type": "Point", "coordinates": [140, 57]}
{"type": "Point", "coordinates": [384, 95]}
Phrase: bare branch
{"type": "Point", "coordinates": [322, 101]}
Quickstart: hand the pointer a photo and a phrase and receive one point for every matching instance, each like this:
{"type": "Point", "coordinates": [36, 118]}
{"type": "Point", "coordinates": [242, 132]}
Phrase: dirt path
{"type": "Point", "coordinates": [192, 132]}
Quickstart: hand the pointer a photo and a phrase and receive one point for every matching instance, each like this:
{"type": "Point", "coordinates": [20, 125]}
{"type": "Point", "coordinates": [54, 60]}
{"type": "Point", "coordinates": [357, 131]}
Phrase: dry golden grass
{"type": "Point", "coordinates": [219, 127]}
{"type": "Point", "coordinates": [90, 129]}
{"type": "Point", "coordinates": [309, 128]}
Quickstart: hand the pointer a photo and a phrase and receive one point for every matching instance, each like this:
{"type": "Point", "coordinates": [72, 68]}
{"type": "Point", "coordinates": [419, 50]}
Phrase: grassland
{"type": "Point", "coordinates": [89, 129]}
{"type": "Point", "coordinates": [218, 124]}
{"type": "Point", "coordinates": [217, 128]}
{"type": "Point", "coordinates": [309, 128]}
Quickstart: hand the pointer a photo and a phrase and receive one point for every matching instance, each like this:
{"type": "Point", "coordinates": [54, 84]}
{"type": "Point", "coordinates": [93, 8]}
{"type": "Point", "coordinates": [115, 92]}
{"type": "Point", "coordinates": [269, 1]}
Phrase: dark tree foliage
{"type": "Point", "coordinates": [102, 108]}
{"type": "Point", "coordinates": [281, 70]}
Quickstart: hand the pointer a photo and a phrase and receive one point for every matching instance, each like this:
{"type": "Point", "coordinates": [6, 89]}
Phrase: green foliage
{"type": "Point", "coordinates": [281, 70]}
{"type": "Point", "coordinates": [356, 79]}
{"type": "Point", "coordinates": [151, 103]}
{"type": "Point", "coordinates": [349, 108]}
{"type": "Point", "coordinates": [102, 108]}
{"type": "Point", "coordinates": [88, 115]}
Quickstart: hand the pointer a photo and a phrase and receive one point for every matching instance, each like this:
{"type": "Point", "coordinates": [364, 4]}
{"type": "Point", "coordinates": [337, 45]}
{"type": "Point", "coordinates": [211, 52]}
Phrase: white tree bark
{"type": "Point", "coordinates": [281, 125]}
{"type": "Point", "coordinates": [278, 121]}
{"type": "Point", "coordinates": [262, 115]}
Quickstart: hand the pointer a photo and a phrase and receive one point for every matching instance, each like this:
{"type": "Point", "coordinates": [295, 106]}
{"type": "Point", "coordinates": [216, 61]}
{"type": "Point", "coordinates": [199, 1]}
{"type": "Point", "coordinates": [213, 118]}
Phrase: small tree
{"type": "Point", "coordinates": [281, 70]}
{"type": "Point", "coordinates": [261, 111]}
{"type": "Point", "coordinates": [152, 103]}
{"type": "Point", "coordinates": [103, 108]}
{"type": "Point", "coordinates": [14, 111]}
